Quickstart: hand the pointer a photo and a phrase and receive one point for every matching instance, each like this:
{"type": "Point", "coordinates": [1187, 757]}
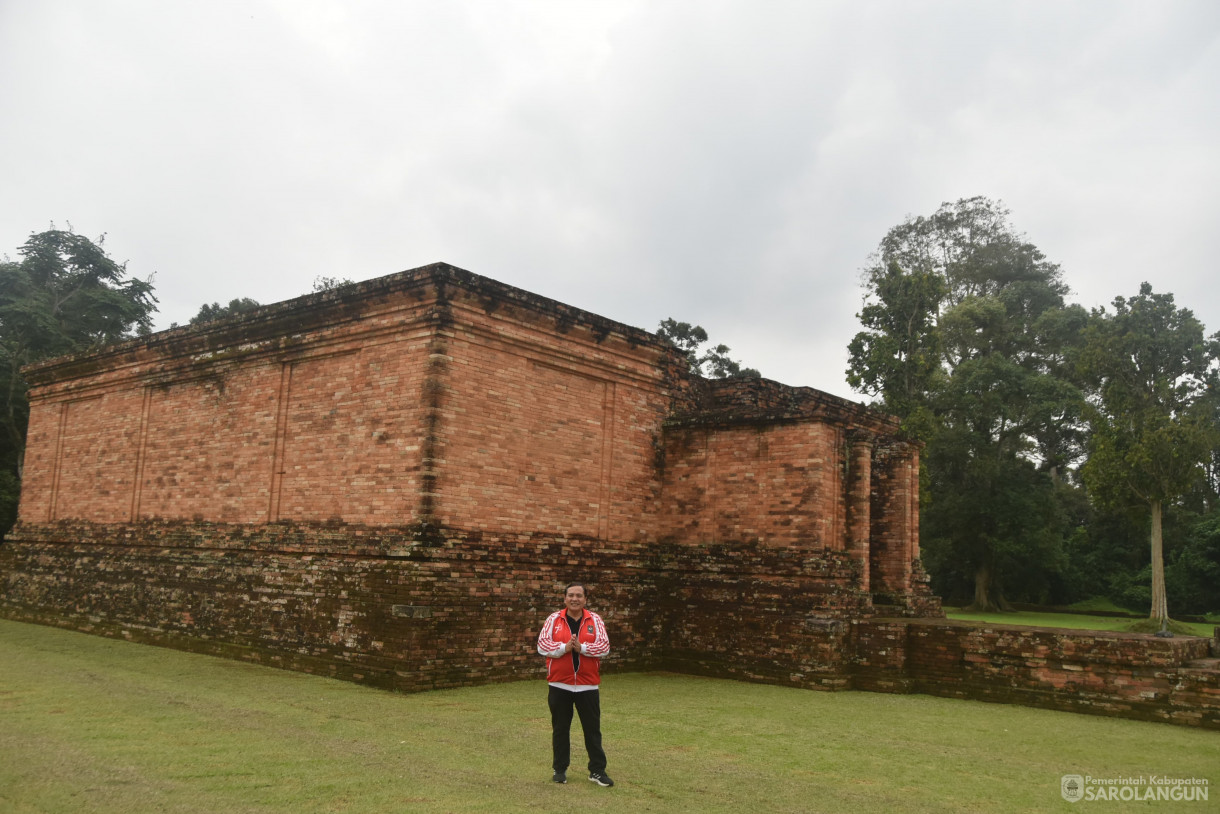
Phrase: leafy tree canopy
{"type": "Point", "coordinates": [1152, 416]}
{"type": "Point", "coordinates": [215, 311]}
{"type": "Point", "coordinates": [321, 283]}
{"type": "Point", "coordinates": [898, 355]}
{"type": "Point", "coordinates": [63, 296]}
{"type": "Point", "coordinates": [712, 363]}
{"type": "Point", "coordinates": [66, 294]}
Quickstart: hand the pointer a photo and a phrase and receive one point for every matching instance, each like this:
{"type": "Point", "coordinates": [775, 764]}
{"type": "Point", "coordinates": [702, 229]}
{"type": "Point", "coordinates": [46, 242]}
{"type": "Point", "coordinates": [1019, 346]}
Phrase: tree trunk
{"type": "Point", "coordinates": [987, 595]}
{"type": "Point", "coordinates": [1160, 606]}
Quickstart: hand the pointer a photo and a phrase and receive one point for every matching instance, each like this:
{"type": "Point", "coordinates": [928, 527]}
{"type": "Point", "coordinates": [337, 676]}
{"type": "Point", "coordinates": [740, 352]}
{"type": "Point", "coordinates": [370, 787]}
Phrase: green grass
{"type": "Point", "coordinates": [1099, 603]}
{"type": "Point", "coordinates": [1069, 620]}
{"type": "Point", "coordinates": [97, 725]}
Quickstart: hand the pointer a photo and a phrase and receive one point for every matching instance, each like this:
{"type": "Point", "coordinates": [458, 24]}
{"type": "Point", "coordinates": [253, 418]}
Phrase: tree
{"type": "Point", "coordinates": [965, 335]}
{"type": "Point", "coordinates": [213, 312]}
{"type": "Point", "coordinates": [1194, 575]}
{"type": "Point", "coordinates": [1153, 422]}
{"type": "Point", "coordinates": [65, 295]}
{"type": "Point", "coordinates": [216, 311]}
{"type": "Point", "coordinates": [322, 283]}
{"type": "Point", "coordinates": [897, 357]}
{"type": "Point", "coordinates": [713, 363]}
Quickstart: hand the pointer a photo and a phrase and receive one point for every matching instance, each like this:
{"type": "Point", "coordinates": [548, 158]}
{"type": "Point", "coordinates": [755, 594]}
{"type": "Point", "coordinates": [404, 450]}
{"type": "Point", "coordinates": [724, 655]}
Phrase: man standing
{"type": "Point", "coordinates": [574, 640]}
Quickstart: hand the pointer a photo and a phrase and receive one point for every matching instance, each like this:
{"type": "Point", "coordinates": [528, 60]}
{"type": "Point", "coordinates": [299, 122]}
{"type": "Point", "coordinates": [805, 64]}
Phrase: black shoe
{"type": "Point", "coordinates": [559, 777]}
{"type": "Point", "coordinates": [601, 778]}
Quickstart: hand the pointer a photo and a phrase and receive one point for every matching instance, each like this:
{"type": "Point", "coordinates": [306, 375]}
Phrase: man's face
{"type": "Point", "coordinates": [575, 600]}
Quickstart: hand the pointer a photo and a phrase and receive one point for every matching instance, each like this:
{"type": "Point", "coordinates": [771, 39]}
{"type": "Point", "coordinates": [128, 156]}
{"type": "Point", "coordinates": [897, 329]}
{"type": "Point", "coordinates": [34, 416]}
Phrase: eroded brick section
{"type": "Point", "coordinates": [1097, 672]}
{"type": "Point", "coordinates": [894, 520]}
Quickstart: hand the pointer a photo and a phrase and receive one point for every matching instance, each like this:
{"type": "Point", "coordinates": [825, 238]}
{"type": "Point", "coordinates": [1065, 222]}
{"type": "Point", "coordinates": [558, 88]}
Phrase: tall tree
{"type": "Point", "coordinates": [965, 328]}
{"type": "Point", "coordinates": [898, 356]}
{"type": "Point", "coordinates": [1153, 423]}
{"type": "Point", "coordinates": [64, 295]}
{"type": "Point", "coordinates": [714, 362]}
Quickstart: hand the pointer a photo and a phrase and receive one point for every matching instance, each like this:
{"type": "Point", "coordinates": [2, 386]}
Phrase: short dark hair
{"type": "Point", "coordinates": [576, 584]}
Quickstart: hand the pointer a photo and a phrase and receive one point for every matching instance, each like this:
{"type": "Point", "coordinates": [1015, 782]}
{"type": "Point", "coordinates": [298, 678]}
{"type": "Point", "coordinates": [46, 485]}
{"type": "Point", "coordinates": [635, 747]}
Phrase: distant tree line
{"type": "Point", "coordinates": [1070, 454]}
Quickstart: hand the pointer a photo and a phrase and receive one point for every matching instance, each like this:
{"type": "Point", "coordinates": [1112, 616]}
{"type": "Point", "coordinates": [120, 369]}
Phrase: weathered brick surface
{"type": "Point", "coordinates": [536, 439]}
{"type": "Point", "coordinates": [382, 608]}
{"type": "Point", "coordinates": [96, 438]}
{"type": "Point", "coordinates": [894, 516]}
{"type": "Point", "coordinates": [205, 448]}
{"type": "Point", "coordinates": [319, 426]}
{"type": "Point", "coordinates": [1098, 672]}
{"type": "Point", "coordinates": [775, 484]}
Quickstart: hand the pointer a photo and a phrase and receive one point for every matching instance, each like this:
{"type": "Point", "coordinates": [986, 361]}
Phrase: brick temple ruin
{"type": "Point", "coordinates": [390, 482]}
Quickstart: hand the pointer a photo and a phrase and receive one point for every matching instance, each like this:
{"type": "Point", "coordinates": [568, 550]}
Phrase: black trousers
{"type": "Point", "coordinates": [589, 707]}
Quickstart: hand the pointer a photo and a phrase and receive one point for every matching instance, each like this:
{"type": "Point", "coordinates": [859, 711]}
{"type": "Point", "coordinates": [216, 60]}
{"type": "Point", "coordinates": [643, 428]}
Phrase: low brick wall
{"type": "Point", "coordinates": [379, 609]}
{"type": "Point", "coordinates": [418, 608]}
{"type": "Point", "coordinates": [379, 606]}
{"type": "Point", "coordinates": [1127, 675]}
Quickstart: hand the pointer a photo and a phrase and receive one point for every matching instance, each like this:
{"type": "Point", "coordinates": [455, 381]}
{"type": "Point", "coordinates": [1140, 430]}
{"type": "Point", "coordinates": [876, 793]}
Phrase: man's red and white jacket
{"type": "Point", "coordinates": [562, 670]}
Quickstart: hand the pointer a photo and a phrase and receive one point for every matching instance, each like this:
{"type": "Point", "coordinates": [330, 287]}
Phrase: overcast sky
{"type": "Point", "coordinates": [731, 164]}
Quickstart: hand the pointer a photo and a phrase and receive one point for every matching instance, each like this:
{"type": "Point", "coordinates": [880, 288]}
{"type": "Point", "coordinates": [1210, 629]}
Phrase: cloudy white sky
{"type": "Point", "coordinates": [727, 163]}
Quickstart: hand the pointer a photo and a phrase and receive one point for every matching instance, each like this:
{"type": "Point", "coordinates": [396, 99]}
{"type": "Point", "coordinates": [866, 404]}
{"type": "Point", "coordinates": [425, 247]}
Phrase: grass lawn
{"type": "Point", "coordinates": [1067, 620]}
{"type": "Point", "coordinates": [95, 725]}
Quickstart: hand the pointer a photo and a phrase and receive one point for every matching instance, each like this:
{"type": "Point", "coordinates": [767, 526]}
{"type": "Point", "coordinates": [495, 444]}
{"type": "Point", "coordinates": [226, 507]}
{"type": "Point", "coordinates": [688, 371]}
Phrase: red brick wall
{"type": "Point", "coordinates": [778, 484]}
{"type": "Point", "coordinates": [41, 453]}
{"type": "Point", "coordinates": [526, 428]}
{"type": "Point", "coordinates": [91, 473]}
{"type": "Point", "coordinates": [462, 404]}
{"type": "Point", "coordinates": [1122, 674]}
{"type": "Point", "coordinates": [206, 447]}
{"type": "Point", "coordinates": [858, 501]}
{"type": "Point", "coordinates": [351, 436]}
{"type": "Point", "coordinates": [547, 432]}
{"type": "Point", "coordinates": [894, 514]}
{"type": "Point", "coordinates": [324, 425]}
